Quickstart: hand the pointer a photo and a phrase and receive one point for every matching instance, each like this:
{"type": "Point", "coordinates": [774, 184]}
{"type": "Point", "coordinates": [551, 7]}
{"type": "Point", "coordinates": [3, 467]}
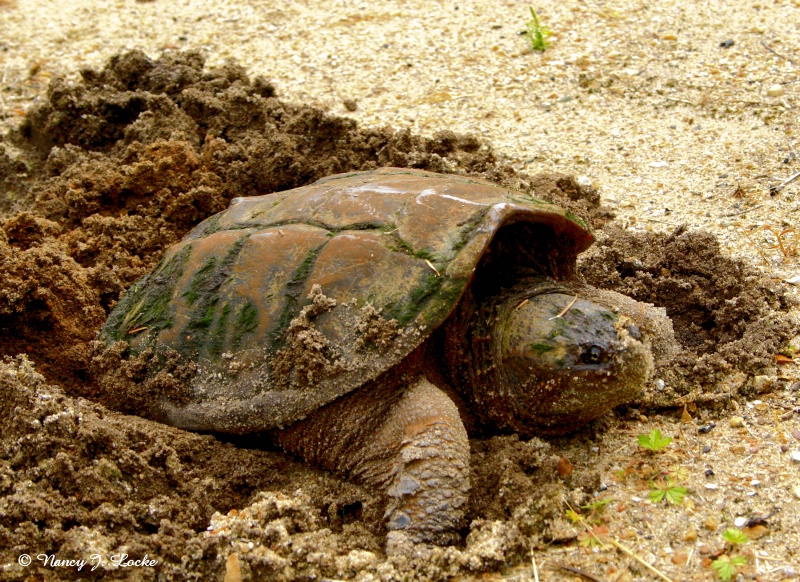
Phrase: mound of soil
{"type": "Point", "coordinates": [730, 320]}
{"type": "Point", "coordinates": [104, 175]}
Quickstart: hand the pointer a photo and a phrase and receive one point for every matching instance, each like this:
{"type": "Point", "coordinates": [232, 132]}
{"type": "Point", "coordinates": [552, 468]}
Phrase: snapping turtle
{"type": "Point", "coordinates": [366, 319]}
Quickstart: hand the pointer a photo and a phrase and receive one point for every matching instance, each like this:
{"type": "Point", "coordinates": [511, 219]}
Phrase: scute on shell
{"type": "Point", "coordinates": [404, 242]}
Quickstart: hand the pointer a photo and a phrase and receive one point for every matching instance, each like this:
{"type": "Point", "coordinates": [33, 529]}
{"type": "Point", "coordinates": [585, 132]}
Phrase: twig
{"type": "Point", "coordinates": [578, 572]}
{"type": "Point", "coordinates": [742, 211]}
{"type": "Point", "coordinates": [775, 189]}
{"type": "Point", "coordinates": [777, 54]}
{"type": "Point", "coordinates": [563, 311]}
{"type": "Point", "coordinates": [435, 270]}
{"type": "Point", "coordinates": [787, 250]}
{"type": "Point", "coordinates": [755, 246]}
{"type": "Point", "coordinates": [2, 89]}
{"type": "Point", "coordinates": [681, 101]}
{"type": "Point", "coordinates": [625, 550]}
{"type": "Point", "coordinates": [622, 548]}
{"type": "Point", "coordinates": [535, 569]}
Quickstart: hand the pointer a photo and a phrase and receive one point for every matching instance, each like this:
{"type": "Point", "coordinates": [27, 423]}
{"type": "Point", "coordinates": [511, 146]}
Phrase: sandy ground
{"type": "Point", "coordinates": [679, 114]}
{"type": "Point", "coordinates": [641, 98]}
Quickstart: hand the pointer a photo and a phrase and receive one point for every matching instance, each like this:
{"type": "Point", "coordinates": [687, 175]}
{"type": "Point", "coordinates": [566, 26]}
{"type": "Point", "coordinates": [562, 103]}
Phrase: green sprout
{"type": "Point", "coordinates": [597, 506]}
{"type": "Point", "coordinates": [667, 489]}
{"type": "Point", "coordinates": [725, 566]}
{"type": "Point", "coordinates": [735, 536]}
{"type": "Point", "coordinates": [537, 33]}
{"type": "Point", "coordinates": [654, 441]}
{"type": "Point", "coordinates": [592, 538]}
{"type": "Point", "coordinates": [678, 474]}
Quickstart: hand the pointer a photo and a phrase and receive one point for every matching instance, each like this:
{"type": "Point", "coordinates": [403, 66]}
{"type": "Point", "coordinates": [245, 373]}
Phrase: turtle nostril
{"type": "Point", "coordinates": [634, 332]}
{"type": "Point", "coordinates": [593, 355]}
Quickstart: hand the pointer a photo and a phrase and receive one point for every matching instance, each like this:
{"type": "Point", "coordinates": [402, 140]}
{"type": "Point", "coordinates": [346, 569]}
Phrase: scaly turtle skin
{"type": "Point", "coordinates": [361, 319]}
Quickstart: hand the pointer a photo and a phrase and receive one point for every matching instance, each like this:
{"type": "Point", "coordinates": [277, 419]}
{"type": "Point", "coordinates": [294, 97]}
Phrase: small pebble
{"type": "Point", "coordinates": [706, 449]}
{"type": "Point", "coordinates": [796, 456]}
{"type": "Point", "coordinates": [712, 486]}
{"type": "Point", "coordinates": [762, 384]}
{"type": "Point", "coordinates": [740, 521]}
{"type": "Point", "coordinates": [709, 473]}
{"type": "Point", "coordinates": [711, 524]}
{"type": "Point", "coordinates": [736, 421]}
{"type": "Point", "coordinates": [776, 91]}
{"type": "Point", "coordinates": [350, 104]}
{"type": "Point", "coordinates": [706, 428]}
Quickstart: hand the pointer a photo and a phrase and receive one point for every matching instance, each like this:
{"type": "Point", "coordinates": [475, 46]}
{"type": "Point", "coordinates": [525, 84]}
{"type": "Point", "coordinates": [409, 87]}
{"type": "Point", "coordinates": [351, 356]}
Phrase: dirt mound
{"type": "Point", "coordinates": [730, 320]}
{"type": "Point", "coordinates": [78, 480]}
{"type": "Point", "coordinates": [104, 175]}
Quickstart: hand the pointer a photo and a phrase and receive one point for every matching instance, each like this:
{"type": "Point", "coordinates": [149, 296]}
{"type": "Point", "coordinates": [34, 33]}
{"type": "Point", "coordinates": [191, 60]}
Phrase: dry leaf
{"type": "Point", "coordinates": [564, 467]}
{"type": "Point", "coordinates": [757, 531]}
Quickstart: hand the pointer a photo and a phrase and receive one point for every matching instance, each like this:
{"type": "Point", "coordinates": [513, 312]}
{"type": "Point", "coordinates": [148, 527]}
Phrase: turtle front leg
{"type": "Point", "coordinates": [411, 443]}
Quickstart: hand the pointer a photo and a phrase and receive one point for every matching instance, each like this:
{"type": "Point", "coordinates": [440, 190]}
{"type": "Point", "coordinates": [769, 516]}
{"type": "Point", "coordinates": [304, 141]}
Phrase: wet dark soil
{"type": "Point", "coordinates": [105, 174]}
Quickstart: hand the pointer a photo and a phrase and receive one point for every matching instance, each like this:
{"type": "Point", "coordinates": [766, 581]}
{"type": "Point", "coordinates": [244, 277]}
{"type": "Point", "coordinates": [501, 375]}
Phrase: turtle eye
{"type": "Point", "coordinates": [593, 355]}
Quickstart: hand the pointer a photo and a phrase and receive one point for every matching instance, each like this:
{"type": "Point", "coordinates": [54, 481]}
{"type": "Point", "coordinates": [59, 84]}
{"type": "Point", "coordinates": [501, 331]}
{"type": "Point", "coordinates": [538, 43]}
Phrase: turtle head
{"type": "Point", "coordinates": [562, 361]}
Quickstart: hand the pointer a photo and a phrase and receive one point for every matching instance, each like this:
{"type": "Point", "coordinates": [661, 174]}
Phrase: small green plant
{"type": "Point", "coordinates": [735, 537]}
{"type": "Point", "coordinates": [678, 474]}
{"type": "Point", "coordinates": [726, 566]}
{"type": "Point", "coordinates": [537, 33]}
{"type": "Point", "coordinates": [654, 441]}
{"type": "Point", "coordinates": [597, 506]}
{"type": "Point", "coordinates": [592, 538]}
{"type": "Point", "coordinates": [667, 489]}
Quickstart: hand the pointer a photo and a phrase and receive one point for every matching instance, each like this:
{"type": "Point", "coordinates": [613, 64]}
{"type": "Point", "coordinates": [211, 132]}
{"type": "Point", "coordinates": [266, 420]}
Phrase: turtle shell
{"type": "Point", "coordinates": [290, 300]}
